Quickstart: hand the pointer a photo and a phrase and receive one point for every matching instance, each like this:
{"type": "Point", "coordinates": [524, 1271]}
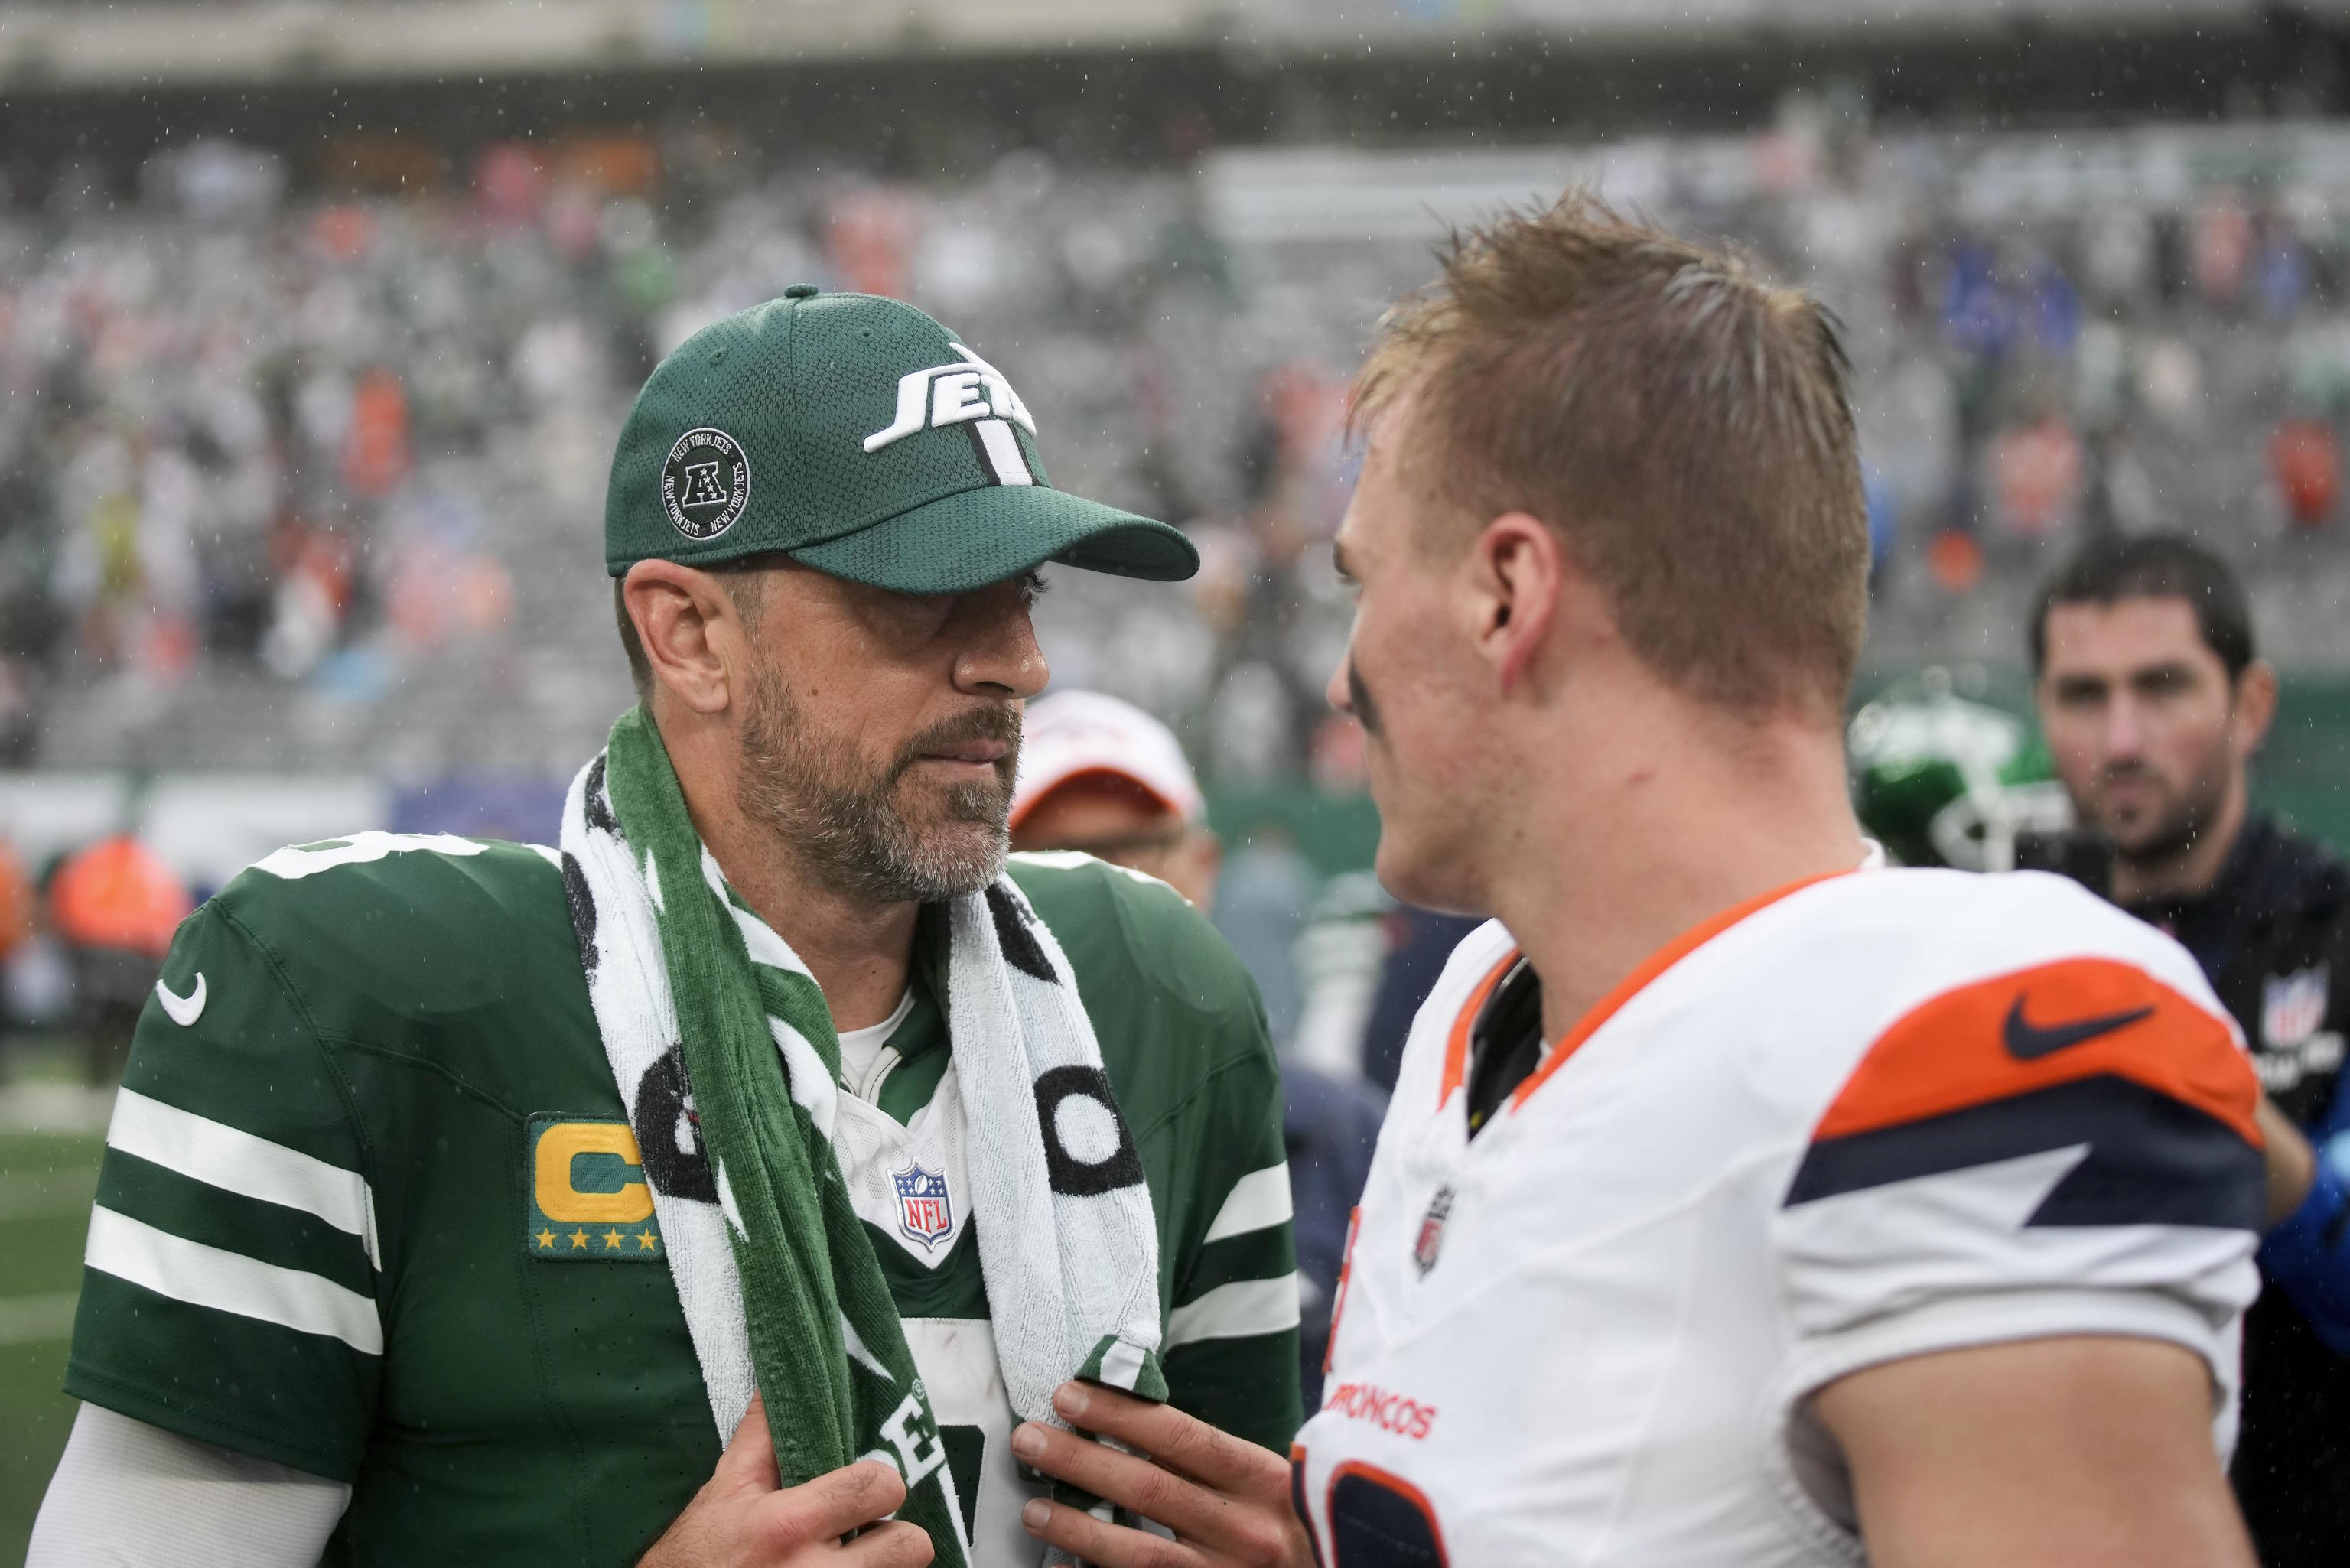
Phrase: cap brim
{"type": "Point", "coordinates": [974, 538]}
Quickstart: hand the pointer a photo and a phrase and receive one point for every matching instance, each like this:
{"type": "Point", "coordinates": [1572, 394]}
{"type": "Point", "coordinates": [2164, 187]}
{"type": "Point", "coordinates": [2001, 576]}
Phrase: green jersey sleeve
{"type": "Point", "coordinates": [1231, 1351]}
{"type": "Point", "coordinates": [229, 1286]}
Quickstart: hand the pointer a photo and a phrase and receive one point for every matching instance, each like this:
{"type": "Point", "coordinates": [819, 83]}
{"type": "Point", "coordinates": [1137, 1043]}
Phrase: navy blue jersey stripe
{"type": "Point", "coordinates": [2152, 1160]}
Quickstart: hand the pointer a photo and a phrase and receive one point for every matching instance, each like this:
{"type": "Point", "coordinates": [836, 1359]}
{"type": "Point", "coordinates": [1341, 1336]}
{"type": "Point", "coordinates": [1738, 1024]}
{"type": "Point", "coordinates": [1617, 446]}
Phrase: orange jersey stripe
{"type": "Point", "coordinates": [2051, 1023]}
{"type": "Point", "coordinates": [1632, 984]}
{"type": "Point", "coordinates": [1456, 1047]}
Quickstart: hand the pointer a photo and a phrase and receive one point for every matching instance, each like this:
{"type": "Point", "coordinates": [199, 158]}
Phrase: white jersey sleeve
{"type": "Point", "coordinates": [129, 1495]}
{"type": "Point", "coordinates": [2062, 1145]}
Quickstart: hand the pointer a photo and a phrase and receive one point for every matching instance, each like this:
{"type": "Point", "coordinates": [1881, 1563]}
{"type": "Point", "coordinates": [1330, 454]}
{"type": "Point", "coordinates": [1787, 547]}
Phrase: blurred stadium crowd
{"type": "Point", "coordinates": [321, 469]}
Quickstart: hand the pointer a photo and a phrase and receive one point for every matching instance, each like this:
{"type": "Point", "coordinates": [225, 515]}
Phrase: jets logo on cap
{"type": "Point", "coordinates": [705, 483]}
{"type": "Point", "coordinates": [972, 393]}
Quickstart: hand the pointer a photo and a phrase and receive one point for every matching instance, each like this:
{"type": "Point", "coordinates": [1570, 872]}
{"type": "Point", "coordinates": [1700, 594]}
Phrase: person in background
{"type": "Point", "coordinates": [1100, 775]}
{"type": "Point", "coordinates": [18, 904]}
{"type": "Point", "coordinates": [114, 904]}
{"type": "Point", "coordinates": [1423, 940]}
{"type": "Point", "coordinates": [17, 901]}
{"type": "Point", "coordinates": [2154, 705]}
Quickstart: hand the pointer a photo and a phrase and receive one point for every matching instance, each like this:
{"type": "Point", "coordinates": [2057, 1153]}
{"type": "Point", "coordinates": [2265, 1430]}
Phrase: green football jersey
{"type": "Point", "coordinates": [372, 1207]}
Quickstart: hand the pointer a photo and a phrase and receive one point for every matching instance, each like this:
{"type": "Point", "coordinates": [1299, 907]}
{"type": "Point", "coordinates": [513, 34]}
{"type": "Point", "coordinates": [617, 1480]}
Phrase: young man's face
{"type": "Point", "coordinates": [2148, 732]}
{"type": "Point", "coordinates": [1407, 678]}
{"type": "Point", "coordinates": [882, 734]}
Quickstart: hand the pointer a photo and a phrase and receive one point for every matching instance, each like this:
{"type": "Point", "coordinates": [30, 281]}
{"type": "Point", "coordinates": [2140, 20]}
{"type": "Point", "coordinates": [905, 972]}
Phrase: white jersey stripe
{"type": "Point", "coordinates": [297, 861]}
{"type": "Point", "coordinates": [221, 1156]}
{"type": "Point", "coordinates": [1257, 1200]}
{"type": "Point", "coordinates": [1236, 1311]}
{"type": "Point", "coordinates": [228, 1281]}
{"type": "Point", "coordinates": [1121, 1364]}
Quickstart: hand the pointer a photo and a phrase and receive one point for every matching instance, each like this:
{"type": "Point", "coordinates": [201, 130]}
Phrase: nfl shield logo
{"type": "Point", "coordinates": [1431, 1230]}
{"type": "Point", "coordinates": [2292, 1006]}
{"type": "Point", "coordinates": [924, 1212]}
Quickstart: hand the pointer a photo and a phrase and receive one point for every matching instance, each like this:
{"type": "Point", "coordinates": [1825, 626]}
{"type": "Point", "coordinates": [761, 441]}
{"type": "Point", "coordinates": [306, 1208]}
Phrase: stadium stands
{"type": "Point", "coordinates": [318, 475]}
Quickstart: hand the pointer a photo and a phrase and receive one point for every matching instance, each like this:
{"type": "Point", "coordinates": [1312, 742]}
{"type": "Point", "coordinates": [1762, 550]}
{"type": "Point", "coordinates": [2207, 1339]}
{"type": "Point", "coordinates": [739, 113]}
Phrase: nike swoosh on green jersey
{"type": "Point", "coordinates": [183, 1011]}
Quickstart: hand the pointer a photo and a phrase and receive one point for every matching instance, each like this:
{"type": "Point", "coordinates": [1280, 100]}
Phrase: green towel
{"type": "Point", "coordinates": [826, 1348]}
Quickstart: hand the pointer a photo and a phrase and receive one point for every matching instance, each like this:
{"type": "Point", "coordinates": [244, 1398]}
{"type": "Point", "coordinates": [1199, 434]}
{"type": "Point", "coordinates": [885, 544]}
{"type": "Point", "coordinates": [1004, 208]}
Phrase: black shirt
{"type": "Point", "coordinates": [1506, 1043]}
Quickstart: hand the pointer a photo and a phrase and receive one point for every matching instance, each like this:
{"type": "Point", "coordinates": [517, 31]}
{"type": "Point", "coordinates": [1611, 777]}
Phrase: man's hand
{"type": "Point", "coordinates": [743, 1516]}
{"type": "Point", "coordinates": [1226, 1500]}
{"type": "Point", "coordinates": [2090, 1451]}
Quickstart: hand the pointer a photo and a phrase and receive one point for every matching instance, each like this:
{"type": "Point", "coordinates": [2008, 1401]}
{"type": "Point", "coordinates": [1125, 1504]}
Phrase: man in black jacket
{"type": "Point", "coordinates": [2154, 704]}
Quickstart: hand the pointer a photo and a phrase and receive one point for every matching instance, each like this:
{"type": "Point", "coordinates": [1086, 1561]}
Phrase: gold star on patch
{"type": "Point", "coordinates": [646, 1241]}
{"type": "Point", "coordinates": [611, 1241]}
{"type": "Point", "coordinates": [578, 1240]}
{"type": "Point", "coordinates": [545, 1239]}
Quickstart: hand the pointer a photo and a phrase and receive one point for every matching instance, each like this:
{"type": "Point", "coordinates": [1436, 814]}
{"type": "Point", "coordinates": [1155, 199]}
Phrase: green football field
{"type": "Point", "coordinates": [46, 1183]}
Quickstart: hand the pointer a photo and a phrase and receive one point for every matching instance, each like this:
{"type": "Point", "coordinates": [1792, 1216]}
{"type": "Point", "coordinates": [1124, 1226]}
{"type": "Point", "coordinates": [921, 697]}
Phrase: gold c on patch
{"type": "Point", "coordinates": [589, 1196]}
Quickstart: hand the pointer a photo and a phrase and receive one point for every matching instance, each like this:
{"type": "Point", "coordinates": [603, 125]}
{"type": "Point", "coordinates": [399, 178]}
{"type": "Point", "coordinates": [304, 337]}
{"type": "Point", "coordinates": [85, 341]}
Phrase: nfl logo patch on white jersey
{"type": "Point", "coordinates": [924, 1212]}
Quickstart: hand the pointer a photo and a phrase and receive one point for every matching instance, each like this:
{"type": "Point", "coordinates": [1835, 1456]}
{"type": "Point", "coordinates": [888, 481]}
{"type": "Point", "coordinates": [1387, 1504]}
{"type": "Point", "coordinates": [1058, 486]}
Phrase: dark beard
{"type": "Point", "coordinates": [846, 827]}
{"type": "Point", "coordinates": [2180, 833]}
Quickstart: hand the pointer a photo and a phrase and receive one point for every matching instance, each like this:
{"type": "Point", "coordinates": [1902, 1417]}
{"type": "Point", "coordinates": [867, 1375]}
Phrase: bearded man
{"type": "Point", "coordinates": [463, 1198]}
{"type": "Point", "coordinates": [2154, 702]}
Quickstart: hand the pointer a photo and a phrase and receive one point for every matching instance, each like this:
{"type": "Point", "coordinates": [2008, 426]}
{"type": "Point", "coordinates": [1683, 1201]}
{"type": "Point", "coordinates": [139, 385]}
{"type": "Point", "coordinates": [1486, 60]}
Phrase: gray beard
{"type": "Point", "coordinates": [844, 827]}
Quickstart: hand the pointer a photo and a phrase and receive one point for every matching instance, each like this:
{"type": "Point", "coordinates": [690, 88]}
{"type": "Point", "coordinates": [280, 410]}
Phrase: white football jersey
{"type": "Point", "coordinates": [1872, 1116]}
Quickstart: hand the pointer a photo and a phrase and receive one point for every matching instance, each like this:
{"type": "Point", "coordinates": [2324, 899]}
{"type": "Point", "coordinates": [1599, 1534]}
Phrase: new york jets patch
{"type": "Point", "coordinates": [705, 483]}
{"type": "Point", "coordinates": [588, 1198]}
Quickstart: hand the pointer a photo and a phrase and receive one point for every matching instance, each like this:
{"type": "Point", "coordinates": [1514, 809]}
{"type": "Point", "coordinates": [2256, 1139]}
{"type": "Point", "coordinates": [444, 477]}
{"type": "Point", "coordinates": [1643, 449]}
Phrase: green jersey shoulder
{"type": "Point", "coordinates": [330, 1231]}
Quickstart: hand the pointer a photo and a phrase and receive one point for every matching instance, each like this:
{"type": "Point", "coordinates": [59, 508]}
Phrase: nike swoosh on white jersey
{"type": "Point", "coordinates": [185, 1010]}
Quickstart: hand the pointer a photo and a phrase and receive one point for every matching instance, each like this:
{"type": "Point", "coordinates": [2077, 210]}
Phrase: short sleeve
{"type": "Point", "coordinates": [230, 1290]}
{"type": "Point", "coordinates": [2068, 1148]}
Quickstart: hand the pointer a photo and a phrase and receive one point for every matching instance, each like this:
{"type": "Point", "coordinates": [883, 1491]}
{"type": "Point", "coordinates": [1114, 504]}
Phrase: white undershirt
{"type": "Point", "coordinates": [129, 1495]}
{"type": "Point", "coordinates": [860, 1049]}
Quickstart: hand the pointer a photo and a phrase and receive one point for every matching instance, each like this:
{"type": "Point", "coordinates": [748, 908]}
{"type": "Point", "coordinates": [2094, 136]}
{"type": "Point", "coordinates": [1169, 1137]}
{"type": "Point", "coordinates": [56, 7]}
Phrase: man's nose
{"type": "Point", "coordinates": [1003, 657]}
{"type": "Point", "coordinates": [1338, 690]}
{"type": "Point", "coordinates": [2124, 731]}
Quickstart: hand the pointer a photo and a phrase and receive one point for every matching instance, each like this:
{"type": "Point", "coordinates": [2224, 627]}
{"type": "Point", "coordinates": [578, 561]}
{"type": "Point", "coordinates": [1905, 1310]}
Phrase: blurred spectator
{"type": "Point", "coordinates": [1421, 943]}
{"type": "Point", "coordinates": [1341, 954]}
{"type": "Point", "coordinates": [2036, 474]}
{"type": "Point", "coordinates": [2305, 465]}
{"type": "Point", "coordinates": [114, 906]}
{"type": "Point", "coordinates": [17, 902]}
{"type": "Point", "coordinates": [1261, 898]}
{"type": "Point", "coordinates": [256, 432]}
{"type": "Point", "coordinates": [1100, 775]}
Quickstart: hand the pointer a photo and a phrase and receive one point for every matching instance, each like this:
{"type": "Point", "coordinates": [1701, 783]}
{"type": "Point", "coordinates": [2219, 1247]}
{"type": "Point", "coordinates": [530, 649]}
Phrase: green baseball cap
{"type": "Point", "coordinates": [854, 434]}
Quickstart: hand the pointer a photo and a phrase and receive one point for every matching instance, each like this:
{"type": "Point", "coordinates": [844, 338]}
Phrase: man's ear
{"type": "Point", "coordinates": [693, 637]}
{"type": "Point", "coordinates": [1517, 573]}
{"type": "Point", "coordinates": [2256, 701]}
